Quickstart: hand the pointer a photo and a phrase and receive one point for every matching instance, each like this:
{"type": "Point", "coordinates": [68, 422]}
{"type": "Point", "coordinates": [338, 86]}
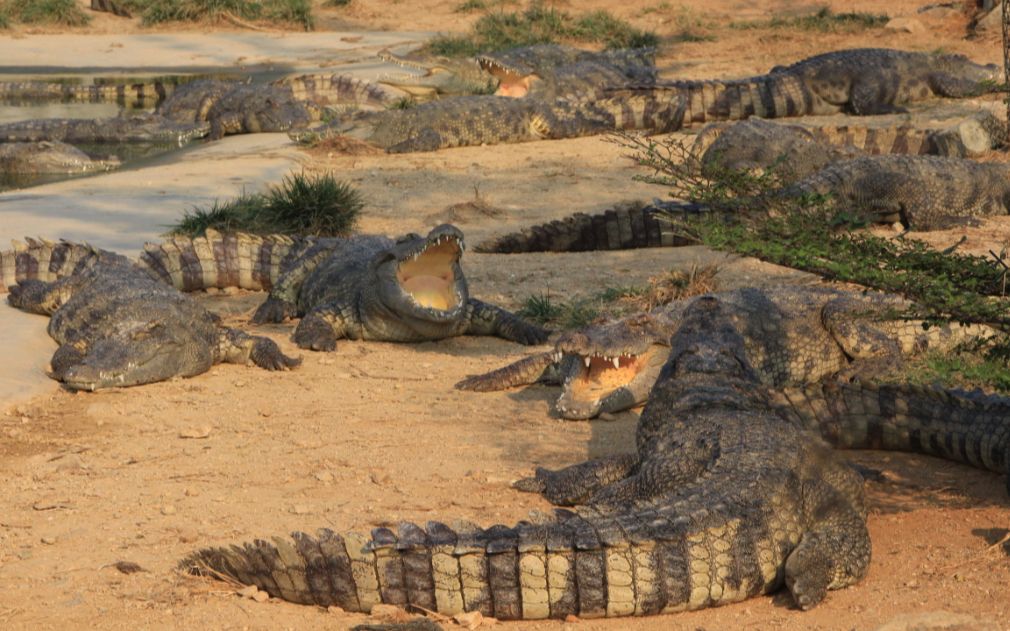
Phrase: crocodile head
{"type": "Point", "coordinates": [610, 367]}
{"type": "Point", "coordinates": [139, 353]}
{"type": "Point", "coordinates": [967, 70]}
{"type": "Point", "coordinates": [420, 278]}
{"type": "Point", "coordinates": [519, 70]}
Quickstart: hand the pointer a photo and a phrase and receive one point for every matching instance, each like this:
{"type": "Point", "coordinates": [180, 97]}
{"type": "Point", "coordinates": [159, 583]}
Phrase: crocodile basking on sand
{"type": "Point", "coordinates": [862, 81]}
{"type": "Point", "coordinates": [142, 128]}
{"type": "Point", "coordinates": [117, 326]}
{"type": "Point", "coordinates": [374, 288]}
{"type": "Point", "coordinates": [726, 497]}
{"type": "Point", "coordinates": [793, 335]}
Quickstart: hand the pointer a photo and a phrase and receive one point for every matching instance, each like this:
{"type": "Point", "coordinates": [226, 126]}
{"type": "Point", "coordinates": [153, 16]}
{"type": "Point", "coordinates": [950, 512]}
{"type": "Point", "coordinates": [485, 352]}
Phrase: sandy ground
{"type": "Point", "coordinates": [373, 433]}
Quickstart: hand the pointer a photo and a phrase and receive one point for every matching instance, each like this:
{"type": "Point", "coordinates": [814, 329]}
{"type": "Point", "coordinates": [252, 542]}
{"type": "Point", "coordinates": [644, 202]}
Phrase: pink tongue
{"type": "Point", "coordinates": [428, 291]}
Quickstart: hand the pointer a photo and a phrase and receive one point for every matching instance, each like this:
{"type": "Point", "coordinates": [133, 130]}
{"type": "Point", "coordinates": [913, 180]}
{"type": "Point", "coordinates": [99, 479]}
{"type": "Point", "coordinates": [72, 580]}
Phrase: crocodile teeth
{"type": "Point", "coordinates": [616, 361]}
{"type": "Point", "coordinates": [586, 359]}
{"type": "Point", "coordinates": [556, 356]}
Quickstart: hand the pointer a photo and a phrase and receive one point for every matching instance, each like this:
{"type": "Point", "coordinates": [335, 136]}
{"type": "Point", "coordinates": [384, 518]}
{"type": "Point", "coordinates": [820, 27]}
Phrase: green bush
{"type": "Point", "coordinates": [301, 204]}
{"type": "Point", "coordinates": [66, 12]}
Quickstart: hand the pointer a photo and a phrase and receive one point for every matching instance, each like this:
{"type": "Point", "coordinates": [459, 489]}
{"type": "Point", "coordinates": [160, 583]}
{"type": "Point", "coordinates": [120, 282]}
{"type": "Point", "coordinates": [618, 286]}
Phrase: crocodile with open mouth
{"type": "Point", "coordinates": [793, 335]}
{"type": "Point", "coordinates": [374, 288]}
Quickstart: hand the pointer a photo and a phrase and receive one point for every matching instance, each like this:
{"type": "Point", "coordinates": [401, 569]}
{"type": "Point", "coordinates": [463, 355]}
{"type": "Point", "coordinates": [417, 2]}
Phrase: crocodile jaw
{"type": "Point", "coordinates": [598, 383]}
{"type": "Point", "coordinates": [425, 282]}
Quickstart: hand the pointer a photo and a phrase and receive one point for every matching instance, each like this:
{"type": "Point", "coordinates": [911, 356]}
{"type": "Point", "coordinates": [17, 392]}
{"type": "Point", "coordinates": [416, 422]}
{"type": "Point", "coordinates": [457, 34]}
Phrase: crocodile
{"type": "Point", "coordinates": [921, 192]}
{"type": "Point", "coordinates": [145, 128]}
{"type": "Point", "coordinates": [234, 107]}
{"type": "Point", "coordinates": [50, 157]}
{"type": "Point", "coordinates": [862, 81]}
{"type": "Point", "coordinates": [796, 151]}
{"type": "Point", "coordinates": [537, 71]}
{"type": "Point", "coordinates": [374, 288]}
{"type": "Point", "coordinates": [478, 120]}
{"type": "Point", "coordinates": [117, 326]}
{"type": "Point", "coordinates": [130, 95]}
{"type": "Point", "coordinates": [793, 335]}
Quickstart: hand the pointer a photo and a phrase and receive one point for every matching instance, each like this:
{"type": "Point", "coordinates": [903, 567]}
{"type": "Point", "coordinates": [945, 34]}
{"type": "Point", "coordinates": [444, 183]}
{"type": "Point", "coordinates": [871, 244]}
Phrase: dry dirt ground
{"type": "Point", "coordinates": [374, 433]}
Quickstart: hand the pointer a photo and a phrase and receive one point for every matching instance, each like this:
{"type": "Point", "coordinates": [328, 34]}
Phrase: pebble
{"type": "Point", "coordinates": [168, 509]}
{"type": "Point", "coordinates": [323, 476]}
{"type": "Point", "coordinates": [906, 25]}
{"type": "Point", "coordinates": [48, 540]}
{"type": "Point", "coordinates": [300, 509]}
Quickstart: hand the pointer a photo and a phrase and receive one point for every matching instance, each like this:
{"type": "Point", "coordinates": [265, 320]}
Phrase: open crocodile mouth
{"type": "Point", "coordinates": [428, 275]}
{"type": "Point", "coordinates": [511, 82]}
{"type": "Point", "coordinates": [598, 377]}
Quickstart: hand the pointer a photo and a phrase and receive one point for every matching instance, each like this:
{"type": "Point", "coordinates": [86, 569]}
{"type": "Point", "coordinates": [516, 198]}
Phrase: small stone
{"type": "Point", "coordinates": [196, 432]}
{"type": "Point", "coordinates": [389, 613]}
{"type": "Point", "coordinates": [239, 383]}
{"type": "Point", "coordinates": [323, 476]}
{"type": "Point", "coordinates": [300, 509]}
{"type": "Point", "coordinates": [24, 554]}
{"type": "Point", "coordinates": [248, 591]}
{"type": "Point", "coordinates": [48, 540]}
{"type": "Point", "coordinates": [905, 25]}
{"type": "Point", "coordinates": [572, 618]}
{"type": "Point", "coordinates": [261, 597]}
{"type": "Point", "coordinates": [469, 620]}
{"type": "Point", "coordinates": [168, 509]}
{"type": "Point", "coordinates": [334, 609]}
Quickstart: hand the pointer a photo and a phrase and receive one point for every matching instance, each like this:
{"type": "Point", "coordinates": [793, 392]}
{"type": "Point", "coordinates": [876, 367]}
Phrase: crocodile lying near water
{"type": "Point", "coordinates": [131, 95]}
{"type": "Point", "coordinates": [858, 81]}
{"type": "Point", "coordinates": [373, 288]}
{"type": "Point", "coordinates": [50, 157]}
{"type": "Point", "coordinates": [117, 326]}
{"type": "Point", "coordinates": [922, 192]}
{"type": "Point", "coordinates": [725, 498]}
{"type": "Point", "coordinates": [793, 335]}
{"type": "Point", "coordinates": [146, 128]}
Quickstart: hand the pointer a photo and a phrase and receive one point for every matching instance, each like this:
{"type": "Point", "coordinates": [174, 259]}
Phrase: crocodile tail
{"type": "Point", "coordinates": [621, 566]}
{"type": "Point", "coordinates": [904, 139]}
{"type": "Point", "coordinates": [776, 95]}
{"type": "Point", "coordinates": [968, 427]}
{"type": "Point", "coordinates": [125, 94]}
{"type": "Point", "coordinates": [626, 226]}
{"type": "Point", "coordinates": [44, 260]}
{"type": "Point", "coordinates": [336, 90]}
{"type": "Point", "coordinates": [234, 259]}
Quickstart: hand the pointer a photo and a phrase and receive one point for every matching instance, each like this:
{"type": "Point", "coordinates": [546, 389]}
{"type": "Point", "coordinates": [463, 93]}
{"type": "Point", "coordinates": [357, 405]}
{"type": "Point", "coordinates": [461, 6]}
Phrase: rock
{"type": "Point", "coordinates": [48, 540]}
{"type": "Point", "coordinates": [906, 25]}
{"type": "Point", "coordinates": [168, 509]}
{"type": "Point", "coordinates": [991, 22]}
{"type": "Point", "coordinates": [389, 613]}
{"type": "Point", "coordinates": [469, 620]}
{"type": "Point", "coordinates": [196, 432]}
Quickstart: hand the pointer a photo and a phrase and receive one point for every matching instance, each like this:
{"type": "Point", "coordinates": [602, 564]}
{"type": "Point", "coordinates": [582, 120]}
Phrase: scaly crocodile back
{"type": "Point", "coordinates": [234, 259]}
{"type": "Point", "coordinates": [625, 226]}
{"type": "Point", "coordinates": [340, 90]}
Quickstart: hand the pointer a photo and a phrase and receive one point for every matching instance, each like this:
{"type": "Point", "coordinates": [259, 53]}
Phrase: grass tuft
{"type": "Point", "coordinates": [539, 24]}
{"type": "Point", "coordinates": [65, 12]}
{"type": "Point", "coordinates": [301, 204]}
{"type": "Point", "coordinates": [824, 21]}
{"type": "Point", "coordinates": [290, 11]}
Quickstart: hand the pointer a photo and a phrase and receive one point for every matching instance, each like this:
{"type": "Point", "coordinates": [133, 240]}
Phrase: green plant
{"type": "Point", "coordinates": [155, 11]}
{"type": "Point", "coordinates": [540, 308]}
{"type": "Point", "coordinates": [66, 12]}
{"type": "Point", "coordinates": [337, 3]}
{"type": "Point", "coordinates": [301, 204]}
{"type": "Point", "coordinates": [539, 24]}
{"type": "Point", "coordinates": [824, 21]}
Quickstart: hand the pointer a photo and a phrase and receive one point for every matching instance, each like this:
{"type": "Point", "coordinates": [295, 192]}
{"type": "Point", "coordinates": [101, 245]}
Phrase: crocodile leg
{"type": "Point", "coordinates": [578, 483]}
{"type": "Point", "coordinates": [320, 329]}
{"type": "Point", "coordinates": [237, 347]}
{"type": "Point", "coordinates": [533, 369]}
{"type": "Point", "coordinates": [486, 319]}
